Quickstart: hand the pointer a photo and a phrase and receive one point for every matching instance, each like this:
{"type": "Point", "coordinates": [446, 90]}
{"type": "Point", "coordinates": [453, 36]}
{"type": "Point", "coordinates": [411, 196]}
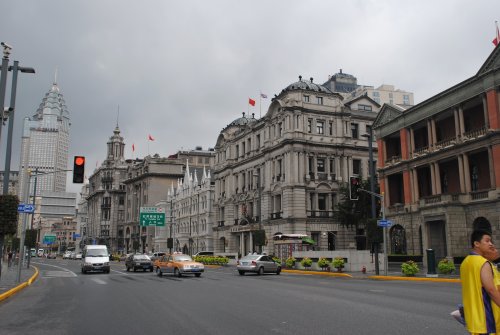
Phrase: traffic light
{"type": "Point", "coordinates": [354, 186]}
{"type": "Point", "coordinates": [78, 169]}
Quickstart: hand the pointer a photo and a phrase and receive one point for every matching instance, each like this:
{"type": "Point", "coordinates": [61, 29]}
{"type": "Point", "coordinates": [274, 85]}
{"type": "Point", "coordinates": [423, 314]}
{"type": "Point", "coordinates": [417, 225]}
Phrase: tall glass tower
{"type": "Point", "coordinates": [45, 144]}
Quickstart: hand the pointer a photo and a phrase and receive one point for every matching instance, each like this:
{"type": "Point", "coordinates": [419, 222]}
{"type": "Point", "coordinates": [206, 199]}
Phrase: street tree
{"type": "Point", "coordinates": [8, 219]}
{"type": "Point", "coordinates": [357, 213]}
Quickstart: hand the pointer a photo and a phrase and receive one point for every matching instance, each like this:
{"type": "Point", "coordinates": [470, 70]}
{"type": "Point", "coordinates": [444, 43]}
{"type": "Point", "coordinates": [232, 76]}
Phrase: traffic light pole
{"type": "Point", "coordinates": [384, 228]}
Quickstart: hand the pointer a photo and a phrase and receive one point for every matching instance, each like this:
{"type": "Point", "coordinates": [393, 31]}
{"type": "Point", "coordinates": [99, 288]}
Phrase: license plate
{"type": "Point", "coordinates": [244, 263]}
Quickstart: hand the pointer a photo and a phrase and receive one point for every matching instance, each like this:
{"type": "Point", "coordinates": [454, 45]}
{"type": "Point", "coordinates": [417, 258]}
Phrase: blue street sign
{"type": "Point", "coordinates": [25, 208]}
{"type": "Point", "coordinates": [76, 235]}
{"type": "Point", "coordinates": [384, 223]}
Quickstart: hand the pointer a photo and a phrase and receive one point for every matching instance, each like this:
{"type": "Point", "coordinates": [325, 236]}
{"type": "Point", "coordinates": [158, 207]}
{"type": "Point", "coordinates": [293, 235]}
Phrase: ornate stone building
{"type": "Point", "coordinates": [282, 173]}
{"type": "Point", "coordinates": [192, 203]}
{"type": "Point", "coordinates": [106, 197]}
{"type": "Point", "coordinates": [439, 166]}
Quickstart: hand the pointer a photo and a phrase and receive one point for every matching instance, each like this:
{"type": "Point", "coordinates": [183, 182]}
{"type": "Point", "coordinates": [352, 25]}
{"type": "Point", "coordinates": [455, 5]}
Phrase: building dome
{"type": "Point", "coordinates": [306, 85]}
{"type": "Point", "coordinates": [242, 121]}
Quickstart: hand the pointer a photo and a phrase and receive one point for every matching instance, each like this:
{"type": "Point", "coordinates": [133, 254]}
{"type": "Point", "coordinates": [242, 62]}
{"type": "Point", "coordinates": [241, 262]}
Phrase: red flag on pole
{"type": "Point", "coordinates": [251, 101]}
{"type": "Point", "coordinates": [150, 138]}
{"type": "Point", "coordinates": [496, 40]}
{"type": "Point", "coordinates": [133, 147]}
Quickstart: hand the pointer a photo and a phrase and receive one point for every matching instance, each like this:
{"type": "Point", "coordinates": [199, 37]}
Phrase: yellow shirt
{"type": "Point", "coordinates": [495, 307]}
{"type": "Point", "coordinates": [478, 312]}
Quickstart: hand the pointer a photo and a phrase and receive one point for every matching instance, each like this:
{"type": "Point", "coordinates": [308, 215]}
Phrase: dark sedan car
{"type": "Point", "coordinates": [138, 261]}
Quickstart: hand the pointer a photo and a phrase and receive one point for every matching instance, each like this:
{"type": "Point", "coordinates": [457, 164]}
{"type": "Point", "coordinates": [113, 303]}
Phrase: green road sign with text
{"type": "Point", "coordinates": [152, 216]}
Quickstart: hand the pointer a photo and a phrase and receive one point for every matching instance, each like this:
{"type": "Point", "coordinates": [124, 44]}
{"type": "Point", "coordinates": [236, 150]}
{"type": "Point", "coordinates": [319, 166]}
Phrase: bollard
{"type": "Point", "coordinates": [431, 263]}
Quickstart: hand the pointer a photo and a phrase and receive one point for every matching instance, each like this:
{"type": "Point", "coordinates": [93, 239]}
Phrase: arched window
{"type": "Point", "coordinates": [398, 240]}
{"type": "Point", "coordinates": [481, 223]}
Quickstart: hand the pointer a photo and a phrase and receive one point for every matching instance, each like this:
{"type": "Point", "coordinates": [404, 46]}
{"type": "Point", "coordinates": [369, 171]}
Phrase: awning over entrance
{"type": "Point", "coordinates": [308, 240]}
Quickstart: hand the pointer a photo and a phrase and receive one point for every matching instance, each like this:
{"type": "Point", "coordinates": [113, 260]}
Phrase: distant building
{"type": "Point", "coordinates": [347, 86]}
{"type": "Point", "coordinates": [45, 144]}
{"type": "Point", "coordinates": [13, 181]}
{"type": "Point", "coordinates": [386, 94]}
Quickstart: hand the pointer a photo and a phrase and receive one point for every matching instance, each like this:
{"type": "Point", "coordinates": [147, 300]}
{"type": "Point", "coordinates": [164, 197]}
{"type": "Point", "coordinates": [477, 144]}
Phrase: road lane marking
{"type": "Point", "coordinates": [99, 281]}
{"type": "Point", "coordinates": [58, 274]}
{"type": "Point", "coordinates": [66, 270]}
{"type": "Point", "coordinates": [120, 272]}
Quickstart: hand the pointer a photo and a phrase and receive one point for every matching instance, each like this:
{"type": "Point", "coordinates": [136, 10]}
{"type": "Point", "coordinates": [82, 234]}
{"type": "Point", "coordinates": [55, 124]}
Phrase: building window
{"type": "Point", "coordinates": [330, 128]}
{"type": "Point", "coordinates": [367, 108]}
{"type": "Point", "coordinates": [320, 127]}
{"type": "Point", "coordinates": [368, 130]}
{"type": "Point", "coordinates": [309, 125]}
{"type": "Point", "coordinates": [376, 94]}
{"type": "Point", "coordinates": [322, 201]}
{"type": "Point", "coordinates": [280, 129]}
{"type": "Point", "coordinates": [354, 130]}
{"type": "Point", "coordinates": [406, 99]}
{"type": "Point", "coordinates": [319, 100]}
{"type": "Point", "coordinates": [356, 167]}
{"type": "Point", "coordinates": [237, 151]}
{"type": "Point", "coordinates": [306, 98]}
{"type": "Point", "coordinates": [321, 165]}
{"type": "Point", "coordinates": [258, 141]}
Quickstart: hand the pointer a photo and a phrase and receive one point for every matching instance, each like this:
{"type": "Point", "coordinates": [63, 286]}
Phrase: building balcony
{"type": "Point", "coordinates": [276, 215]}
{"type": "Point", "coordinates": [220, 223]}
{"type": "Point", "coordinates": [320, 214]}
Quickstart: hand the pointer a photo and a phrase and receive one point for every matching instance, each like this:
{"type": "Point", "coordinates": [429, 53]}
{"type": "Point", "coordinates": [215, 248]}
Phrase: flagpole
{"type": "Point", "coordinates": [260, 105]}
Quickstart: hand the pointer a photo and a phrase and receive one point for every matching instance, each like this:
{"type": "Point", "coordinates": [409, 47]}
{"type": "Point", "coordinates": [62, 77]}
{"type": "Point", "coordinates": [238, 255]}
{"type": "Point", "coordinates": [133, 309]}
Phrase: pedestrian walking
{"type": "Point", "coordinates": [9, 258]}
{"type": "Point", "coordinates": [479, 292]}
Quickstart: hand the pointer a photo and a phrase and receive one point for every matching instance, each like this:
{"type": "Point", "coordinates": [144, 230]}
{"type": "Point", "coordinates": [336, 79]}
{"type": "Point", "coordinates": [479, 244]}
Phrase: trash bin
{"type": "Point", "coordinates": [431, 262]}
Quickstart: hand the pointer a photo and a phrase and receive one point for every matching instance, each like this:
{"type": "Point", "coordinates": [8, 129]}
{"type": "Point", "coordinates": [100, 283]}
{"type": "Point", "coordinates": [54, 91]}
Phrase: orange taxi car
{"type": "Point", "coordinates": [178, 264]}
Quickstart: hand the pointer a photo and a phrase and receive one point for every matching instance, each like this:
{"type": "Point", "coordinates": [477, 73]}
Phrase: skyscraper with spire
{"type": "Point", "coordinates": [45, 143]}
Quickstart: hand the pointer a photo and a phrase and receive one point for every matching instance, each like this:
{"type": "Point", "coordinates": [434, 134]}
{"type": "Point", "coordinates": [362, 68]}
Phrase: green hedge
{"type": "Point", "coordinates": [212, 260]}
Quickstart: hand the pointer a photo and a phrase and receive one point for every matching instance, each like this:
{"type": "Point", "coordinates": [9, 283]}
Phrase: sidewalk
{"type": "Point", "coordinates": [8, 280]}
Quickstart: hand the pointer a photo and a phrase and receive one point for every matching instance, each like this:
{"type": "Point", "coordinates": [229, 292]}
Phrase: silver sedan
{"type": "Point", "coordinates": [259, 264]}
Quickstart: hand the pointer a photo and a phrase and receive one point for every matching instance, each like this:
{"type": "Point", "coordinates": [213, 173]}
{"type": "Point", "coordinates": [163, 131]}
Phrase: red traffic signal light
{"type": "Point", "coordinates": [354, 186]}
{"type": "Point", "coordinates": [78, 169]}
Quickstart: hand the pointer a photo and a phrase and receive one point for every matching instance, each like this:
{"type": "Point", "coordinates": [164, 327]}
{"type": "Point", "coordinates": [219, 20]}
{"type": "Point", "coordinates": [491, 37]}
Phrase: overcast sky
{"type": "Point", "coordinates": [183, 70]}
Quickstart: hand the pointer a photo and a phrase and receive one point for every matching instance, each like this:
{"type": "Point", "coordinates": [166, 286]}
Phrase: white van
{"type": "Point", "coordinates": [95, 258]}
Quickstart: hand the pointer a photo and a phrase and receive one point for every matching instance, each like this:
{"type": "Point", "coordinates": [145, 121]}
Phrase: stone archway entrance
{"type": "Point", "coordinates": [436, 237]}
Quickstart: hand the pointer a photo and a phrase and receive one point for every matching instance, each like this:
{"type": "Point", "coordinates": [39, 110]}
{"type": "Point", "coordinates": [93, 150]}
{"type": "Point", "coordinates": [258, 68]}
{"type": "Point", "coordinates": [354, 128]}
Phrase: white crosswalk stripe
{"type": "Point", "coordinates": [58, 274]}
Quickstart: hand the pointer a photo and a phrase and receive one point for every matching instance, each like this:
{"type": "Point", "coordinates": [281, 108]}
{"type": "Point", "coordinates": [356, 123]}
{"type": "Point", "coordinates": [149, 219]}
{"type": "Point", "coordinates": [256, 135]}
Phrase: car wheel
{"type": "Point", "coordinates": [241, 272]}
{"type": "Point", "coordinates": [278, 271]}
{"type": "Point", "coordinates": [159, 272]}
{"type": "Point", "coordinates": [177, 273]}
{"type": "Point", "coordinates": [261, 271]}
{"type": "Point", "coordinates": [197, 274]}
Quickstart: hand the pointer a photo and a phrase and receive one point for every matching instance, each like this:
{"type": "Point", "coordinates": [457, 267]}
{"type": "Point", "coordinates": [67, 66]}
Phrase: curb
{"type": "Point", "coordinates": [329, 274]}
{"type": "Point", "coordinates": [436, 280]}
{"type": "Point", "coordinates": [19, 287]}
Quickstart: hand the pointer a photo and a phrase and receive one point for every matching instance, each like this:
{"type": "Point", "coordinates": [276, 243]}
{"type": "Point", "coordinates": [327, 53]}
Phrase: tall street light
{"type": "Point", "coordinates": [3, 80]}
{"type": "Point", "coordinates": [371, 169]}
{"type": "Point", "coordinates": [259, 206]}
{"type": "Point", "coordinates": [15, 69]}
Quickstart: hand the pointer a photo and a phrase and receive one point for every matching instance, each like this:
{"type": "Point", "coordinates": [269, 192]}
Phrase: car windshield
{"type": "Point", "coordinates": [97, 253]}
{"type": "Point", "coordinates": [250, 257]}
{"type": "Point", "coordinates": [182, 258]}
{"type": "Point", "coordinates": [142, 257]}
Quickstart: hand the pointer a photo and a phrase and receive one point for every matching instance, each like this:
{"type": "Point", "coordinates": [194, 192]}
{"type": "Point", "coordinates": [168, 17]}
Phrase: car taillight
{"type": "Point", "coordinates": [254, 263]}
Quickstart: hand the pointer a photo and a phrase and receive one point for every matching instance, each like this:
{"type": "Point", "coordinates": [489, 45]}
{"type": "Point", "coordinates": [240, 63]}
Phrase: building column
{"type": "Point", "coordinates": [403, 133]}
{"type": "Point", "coordinates": [434, 135]}
{"type": "Point", "coordinates": [494, 154]}
{"type": "Point", "coordinates": [250, 242]}
{"type": "Point", "coordinates": [485, 111]}
{"type": "Point", "coordinates": [461, 120]}
{"type": "Point", "coordinates": [412, 141]}
{"type": "Point", "coordinates": [429, 134]}
{"type": "Point", "coordinates": [433, 178]}
{"type": "Point", "coordinates": [457, 123]}
{"type": "Point", "coordinates": [407, 187]}
{"type": "Point", "coordinates": [416, 195]}
{"type": "Point", "coordinates": [468, 186]}
{"type": "Point", "coordinates": [493, 109]}
{"type": "Point", "coordinates": [438, 179]}
{"type": "Point", "coordinates": [384, 188]}
{"type": "Point", "coordinates": [381, 153]}
{"type": "Point", "coordinates": [461, 175]}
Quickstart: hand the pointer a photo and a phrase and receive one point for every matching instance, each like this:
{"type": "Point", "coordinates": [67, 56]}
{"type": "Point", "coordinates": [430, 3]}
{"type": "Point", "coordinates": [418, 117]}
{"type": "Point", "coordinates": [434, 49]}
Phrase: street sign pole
{"type": "Point", "coordinates": [23, 228]}
{"type": "Point", "coordinates": [384, 230]}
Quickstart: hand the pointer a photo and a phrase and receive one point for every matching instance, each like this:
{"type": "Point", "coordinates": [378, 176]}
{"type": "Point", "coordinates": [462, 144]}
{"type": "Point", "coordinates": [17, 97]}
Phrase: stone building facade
{"type": "Point", "coordinates": [106, 197]}
{"type": "Point", "coordinates": [282, 173]}
{"type": "Point", "coordinates": [439, 166]}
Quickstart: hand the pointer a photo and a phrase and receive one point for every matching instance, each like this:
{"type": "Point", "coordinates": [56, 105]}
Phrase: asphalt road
{"type": "Point", "coordinates": [64, 301]}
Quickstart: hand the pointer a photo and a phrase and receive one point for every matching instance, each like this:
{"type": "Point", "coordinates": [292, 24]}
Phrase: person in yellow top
{"type": "Point", "coordinates": [479, 291]}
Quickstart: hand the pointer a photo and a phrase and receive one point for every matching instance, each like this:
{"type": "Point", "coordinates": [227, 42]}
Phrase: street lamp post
{"type": "Point", "coordinates": [15, 69]}
{"type": "Point", "coordinates": [3, 80]}
{"type": "Point", "coordinates": [371, 168]}
{"type": "Point", "coordinates": [259, 205]}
